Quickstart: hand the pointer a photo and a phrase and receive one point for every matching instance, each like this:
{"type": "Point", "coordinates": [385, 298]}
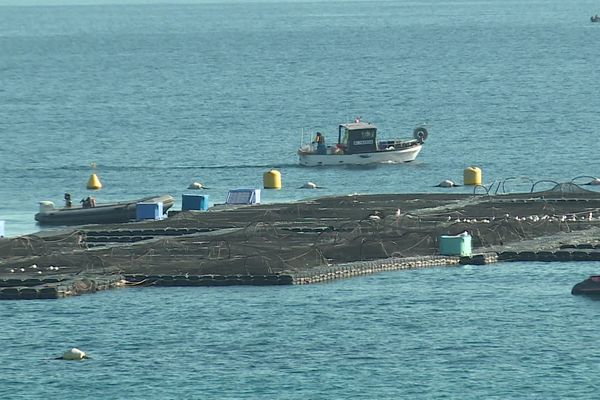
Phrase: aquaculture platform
{"type": "Point", "coordinates": [306, 242]}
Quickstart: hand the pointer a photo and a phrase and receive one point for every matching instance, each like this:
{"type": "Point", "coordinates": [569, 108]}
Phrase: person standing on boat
{"type": "Point", "coordinates": [68, 201]}
{"type": "Point", "coordinates": [320, 140]}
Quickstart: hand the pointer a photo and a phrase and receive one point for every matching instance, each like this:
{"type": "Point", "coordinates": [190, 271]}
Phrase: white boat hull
{"type": "Point", "coordinates": [378, 157]}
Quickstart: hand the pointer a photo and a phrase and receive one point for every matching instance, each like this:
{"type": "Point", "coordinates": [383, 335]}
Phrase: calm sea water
{"type": "Point", "coordinates": [159, 96]}
{"type": "Point", "coordinates": [508, 331]}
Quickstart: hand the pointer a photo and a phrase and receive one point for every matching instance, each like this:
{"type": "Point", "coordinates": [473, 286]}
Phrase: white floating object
{"type": "Point", "coordinates": [22, 269]}
{"type": "Point", "coordinates": [374, 217]}
{"type": "Point", "coordinates": [309, 185]}
{"type": "Point", "coordinates": [446, 183]}
{"type": "Point", "coordinates": [196, 186]}
{"type": "Point", "coordinates": [74, 354]}
{"type": "Point", "coordinates": [33, 266]}
{"type": "Point", "coordinates": [12, 270]}
{"type": "Point", "coordinates": [596, 181]}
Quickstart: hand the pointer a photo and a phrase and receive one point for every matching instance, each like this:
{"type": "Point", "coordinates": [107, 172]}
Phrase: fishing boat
{"type": "Point", "coordinates": [358, 144]}
{"type": "Point", "coordinates": [91, 213]}
{"type": "Point", "coordinates": [595, 18]}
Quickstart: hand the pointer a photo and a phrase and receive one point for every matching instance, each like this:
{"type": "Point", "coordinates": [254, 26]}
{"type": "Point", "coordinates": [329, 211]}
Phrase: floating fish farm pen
{"type": "Point", "coordinates": [304, 242]}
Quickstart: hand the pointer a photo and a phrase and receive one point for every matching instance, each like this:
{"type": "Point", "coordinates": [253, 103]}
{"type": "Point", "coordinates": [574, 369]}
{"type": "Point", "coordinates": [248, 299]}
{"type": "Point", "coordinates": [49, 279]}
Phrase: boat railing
{"type": "Point", "coordinates": [396, 144]}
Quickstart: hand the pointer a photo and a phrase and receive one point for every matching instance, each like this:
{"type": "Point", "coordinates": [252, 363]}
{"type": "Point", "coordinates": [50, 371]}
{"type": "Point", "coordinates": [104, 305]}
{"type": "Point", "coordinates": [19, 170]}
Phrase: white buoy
{"type": "Point", "coordinates": [447, 183]}
{"type": "Point", "coordinates": [196, 186]}
{"type": "Point", "coordinates": [309, 185]}
{"type": "Point", "coordinates": [595, 181]}
{"type": "Point", "coordinates": [74, 354]}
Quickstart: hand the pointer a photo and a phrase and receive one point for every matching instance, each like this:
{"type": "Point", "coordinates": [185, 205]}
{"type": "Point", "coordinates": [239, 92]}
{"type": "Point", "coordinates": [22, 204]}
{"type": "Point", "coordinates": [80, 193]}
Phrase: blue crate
{"type": "Point", "coordinates": [149, 210]}
{"type": "Point", "coordinates": [194, 202]}
{"type": "Point", "coordinates": [1, 229]}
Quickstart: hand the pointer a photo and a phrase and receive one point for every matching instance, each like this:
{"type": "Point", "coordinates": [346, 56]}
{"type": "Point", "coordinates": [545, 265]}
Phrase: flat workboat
{"type": "Point", "coordinates": [107, 213]}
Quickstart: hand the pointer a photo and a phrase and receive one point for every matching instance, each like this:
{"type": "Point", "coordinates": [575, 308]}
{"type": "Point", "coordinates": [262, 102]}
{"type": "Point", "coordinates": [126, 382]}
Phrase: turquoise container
{"type": "Point", "coordinates": [1, 229]}
{"type": "Point", "coordinates": [149, 211]}
{"type": "Point", "coordinates": [194, 202]}
{"type": "Point", "coordinates": [459, 245]}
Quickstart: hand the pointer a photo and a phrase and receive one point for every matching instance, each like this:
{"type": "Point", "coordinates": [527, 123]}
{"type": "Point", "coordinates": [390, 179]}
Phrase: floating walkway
{"type": "Point", "coordinates": [55, 288]}
{"type": "Point", "coordinates": [359, 268]}
{"type": "Point", "coordinates": [208, 280]}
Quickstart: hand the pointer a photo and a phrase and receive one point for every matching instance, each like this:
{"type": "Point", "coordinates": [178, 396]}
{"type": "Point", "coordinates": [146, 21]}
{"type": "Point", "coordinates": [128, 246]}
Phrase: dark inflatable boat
{"type": "Point", "coordinates": [87, 213]}
{"type": "Point", "coordinates": [589, 287]}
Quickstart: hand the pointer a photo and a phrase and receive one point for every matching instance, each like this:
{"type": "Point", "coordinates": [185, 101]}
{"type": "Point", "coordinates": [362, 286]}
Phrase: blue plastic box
{"type": "Point", "coordinates": [194, 202]}
{"type": "Point", "coordinates": [1, 229]}
{"type": "Point", "coordinates": [459, 245]}
{"type": "Point", "coordinates": [149, 210]}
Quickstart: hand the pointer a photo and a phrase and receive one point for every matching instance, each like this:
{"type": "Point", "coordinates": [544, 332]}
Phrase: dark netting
{"type": "Point", "coordinates": [278, 238]}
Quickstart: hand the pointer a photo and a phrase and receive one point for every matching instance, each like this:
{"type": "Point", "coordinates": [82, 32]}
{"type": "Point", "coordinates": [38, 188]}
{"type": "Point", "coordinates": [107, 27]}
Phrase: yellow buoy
{"type": "Point", "coordinates": [472, 176]}
{"type": "Point", "coordinates": [272, 179]}
{"type": "Point", "coordinates": [94, 183]}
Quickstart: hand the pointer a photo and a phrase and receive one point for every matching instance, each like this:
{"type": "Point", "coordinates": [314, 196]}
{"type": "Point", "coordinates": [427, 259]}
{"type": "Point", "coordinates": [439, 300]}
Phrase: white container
{"type": "Point", "coordinates": [46, 206]}
{"type": "Point", "coordinates": [243, 196]}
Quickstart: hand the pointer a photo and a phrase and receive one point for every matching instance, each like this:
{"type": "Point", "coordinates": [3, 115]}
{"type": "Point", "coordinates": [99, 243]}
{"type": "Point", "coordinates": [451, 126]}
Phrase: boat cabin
{"type": "Point", "coordinates": [357, 137]}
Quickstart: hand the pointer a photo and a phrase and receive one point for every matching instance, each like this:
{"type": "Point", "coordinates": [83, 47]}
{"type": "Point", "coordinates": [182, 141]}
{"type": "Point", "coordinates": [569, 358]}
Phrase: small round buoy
{"type": "Point", "coordinates": [309, 185]}
{"type": "Point", "coordinates": [446, 184]}
{"type": "Point", "coordinates": [73, 354]}
{"type": "Point", "coordinates": [94, 182]}
{"type": "Point", "coordinates": [196, 186]}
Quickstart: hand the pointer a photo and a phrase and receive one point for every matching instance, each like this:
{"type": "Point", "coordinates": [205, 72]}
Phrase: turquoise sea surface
{"type": "Point", "coordinates": [161, 95]}
{"type": "Point", "coordinates": [505, 331]}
